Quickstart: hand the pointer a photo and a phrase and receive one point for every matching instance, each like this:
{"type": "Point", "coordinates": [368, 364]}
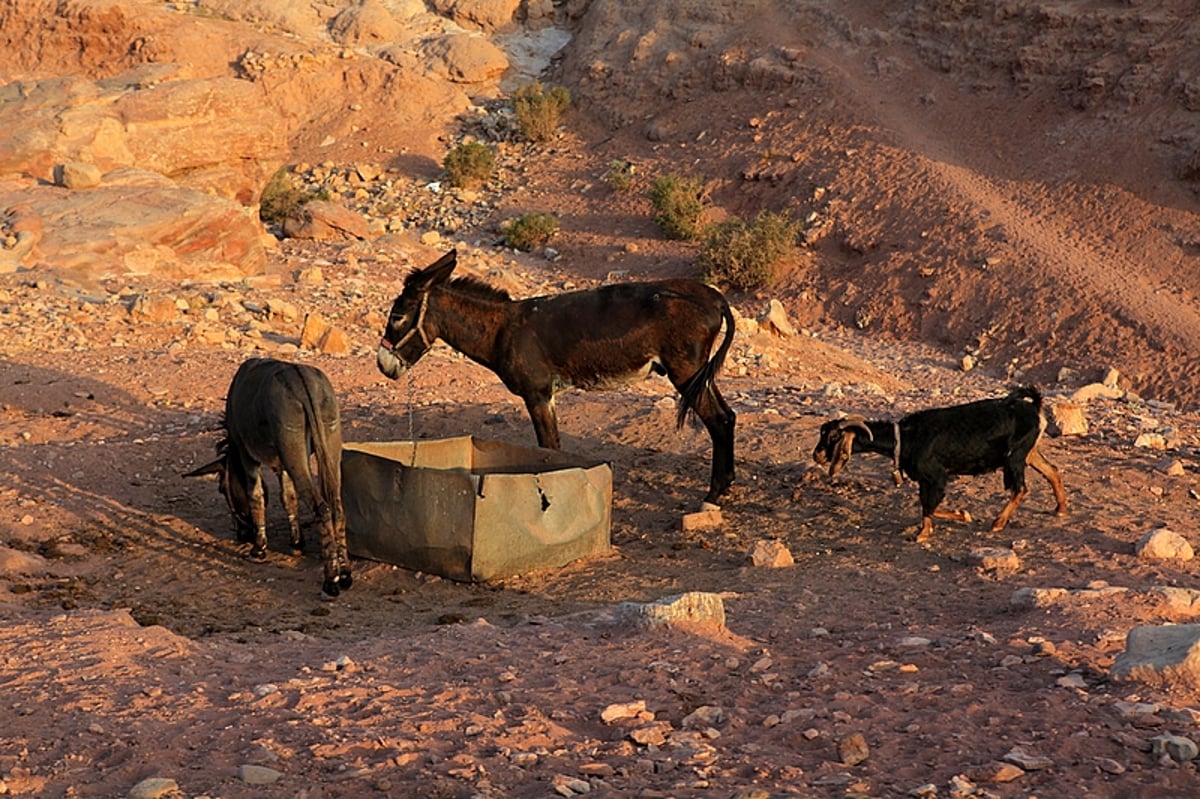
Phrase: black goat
{"type": "Point", "coordinates": [932, 445]}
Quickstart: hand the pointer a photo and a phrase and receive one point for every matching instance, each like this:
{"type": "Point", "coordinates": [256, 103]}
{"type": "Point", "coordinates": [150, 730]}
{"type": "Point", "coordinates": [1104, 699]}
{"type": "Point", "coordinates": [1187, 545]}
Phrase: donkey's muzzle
{"type": "Point", "coordinates": [391, 366]}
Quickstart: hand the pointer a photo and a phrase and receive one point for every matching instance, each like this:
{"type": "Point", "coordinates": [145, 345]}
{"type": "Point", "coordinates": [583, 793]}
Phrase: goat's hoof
{"type": "Point", "coordinates": [329, 590]}
{"type": "Point", "coordinates": [257, 555]}
{"type": "Point", "coordinates": [344, 581]}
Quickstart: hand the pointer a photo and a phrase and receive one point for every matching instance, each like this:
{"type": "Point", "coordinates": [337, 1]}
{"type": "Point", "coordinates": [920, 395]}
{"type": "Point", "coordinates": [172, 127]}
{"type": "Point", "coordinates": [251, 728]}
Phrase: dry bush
{"type": "Point", "coordinates": [538, 110]}
{"type": "Point", "coordinates": [678, 203]}
{"type": "Point", "coordinates": [281, 198]}
{"type": "Point", "coordinates": [742, 256]}
{"type": "Point", "coordinates": [469, 165]}
{"type": "Point", "coordinates": [530, 231]}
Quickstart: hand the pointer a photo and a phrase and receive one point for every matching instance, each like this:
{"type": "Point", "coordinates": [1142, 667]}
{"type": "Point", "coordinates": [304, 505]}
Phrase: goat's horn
{"type": "Point", "coordinates": [857, 423]}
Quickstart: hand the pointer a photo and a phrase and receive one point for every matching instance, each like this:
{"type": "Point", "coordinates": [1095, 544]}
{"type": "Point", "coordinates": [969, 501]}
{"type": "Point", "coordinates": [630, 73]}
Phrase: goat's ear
{"type": "Point", "coordinates": [437, 272]}
{"type": "Point", "coordinates": [216, 467]}
{"type": "Point", "coordinates": [841, 451]}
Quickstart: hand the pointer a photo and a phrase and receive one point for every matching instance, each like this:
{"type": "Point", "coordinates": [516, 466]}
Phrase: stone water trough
{"type": "Point", "coordinates": [472, 509]}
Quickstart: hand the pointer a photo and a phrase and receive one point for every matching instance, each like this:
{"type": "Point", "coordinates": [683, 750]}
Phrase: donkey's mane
{"type": "Point", "coordinates": [477, 288]}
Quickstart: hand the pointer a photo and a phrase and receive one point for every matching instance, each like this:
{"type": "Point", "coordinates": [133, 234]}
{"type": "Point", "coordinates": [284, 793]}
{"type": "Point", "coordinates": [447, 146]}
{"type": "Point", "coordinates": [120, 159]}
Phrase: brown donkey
{"type": "Point", "coordinates": [594, 339]}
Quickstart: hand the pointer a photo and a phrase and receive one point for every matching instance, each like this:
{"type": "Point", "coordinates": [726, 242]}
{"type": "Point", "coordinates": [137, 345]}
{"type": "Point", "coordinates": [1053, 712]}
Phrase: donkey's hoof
{"type": "Point", "coordinates": [344, 581]}
{"type": "Point", "coordinates": [329, 590]}
{"type": "Point", "coordinates": [257, 555]}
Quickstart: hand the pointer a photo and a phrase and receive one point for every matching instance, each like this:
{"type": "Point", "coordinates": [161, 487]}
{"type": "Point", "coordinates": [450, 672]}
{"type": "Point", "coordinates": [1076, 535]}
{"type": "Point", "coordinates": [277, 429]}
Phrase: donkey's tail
{"type": "Point", "coordinates": [329, 467]}
{"type": "Point", "coordinates": [698, 384]}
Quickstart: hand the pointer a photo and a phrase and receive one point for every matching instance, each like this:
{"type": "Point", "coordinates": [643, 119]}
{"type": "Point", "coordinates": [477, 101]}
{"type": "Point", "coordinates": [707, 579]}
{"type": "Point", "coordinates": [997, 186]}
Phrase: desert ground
{"type": "Point", "coordinates": [962, 205]}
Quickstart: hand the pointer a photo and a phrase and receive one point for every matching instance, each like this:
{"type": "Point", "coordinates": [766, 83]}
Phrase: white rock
{"type": "Point", "coordinates": [1165, 545]}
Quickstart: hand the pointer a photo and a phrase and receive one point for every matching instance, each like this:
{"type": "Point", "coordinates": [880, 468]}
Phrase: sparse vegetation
{"type": "Point", "coordinates": [281, 197]}
{"type": "Point", "coordinates": [678, 203]}
{"type": "Point", "coordinates": [619, 175]}
{"type": "Point", "coordinates": [530, 231]}
{"type": "Point", "coordinates": [538, 110]}
{"type": "Point", "coordinates": [741, 255]}
{"type": "Point", "coordinates": [469, 165]}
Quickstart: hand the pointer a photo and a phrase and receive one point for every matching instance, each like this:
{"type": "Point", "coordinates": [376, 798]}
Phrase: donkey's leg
{"type": "Point", "coordinates": [258, 512]}
{"type": "Point", "coordinates": [719, 419]}
{"type": "Point", "coordinates": [331, 488]}
{"type": "Point", "coordinates": [545, 422]}
{"type": "Point", "coordinates": [287, 490]}
{"type": "Point", "coordinates": [294, 457]}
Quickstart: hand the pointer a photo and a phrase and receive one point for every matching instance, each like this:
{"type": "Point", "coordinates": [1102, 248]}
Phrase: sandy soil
{"type": "Point", "coordinates": [139, 642]}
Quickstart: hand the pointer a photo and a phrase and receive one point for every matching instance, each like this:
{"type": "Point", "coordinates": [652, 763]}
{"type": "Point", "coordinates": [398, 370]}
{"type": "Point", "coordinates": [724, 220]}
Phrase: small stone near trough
{"type": "Point", "coordinates": [769, 554]}
{"type": "Point", "coordinates": [1028, 760]}
{"type": "Point", "coordinates": [622, 710]}
{"type": "Point", "coordinates": [153, 308]}
{"type": "Point", "coordinates": [77, 175]}
{"type": "Point", "coordinates": [776, 320]}
{"type": "Point", "coordinates": [997, 771]}
{"type": "Point", "coordinates": [258, 775]}
{"type": "Point", "coordinates": [853, 749]}
{"type": "Point", "coordinates": [1150, 441]}
{"type": "Point", "coordinates": [319, 335]}
{"type": "Point", "coordinates": [1178, 748]}
{"type": "Point", "coordinates": [1096, 391]}
{"type": "Point", "coordinates": [703, 717]}
{"type": "Point", "coordinates": [1161, 656]}
{"type": "Point", "coordinates": [1030, 598]}
{"type": "Point", "coordinates": [325, 220]}
{"type": "Point", "coordinates": [1179, 600]}
{"type": "Point", "coordinates": [154, 788]}
{"type": "Point", "coordinates": [709, 519]}
{"type": "Point", "coordinates": [1069, 419]}
{"type": "Point", "coordinates": [1172, 467]}
{"type": "Point", "coordinates": [1163, 544]}
{"type": "Point", "coordinates": [651, 735]}
{"type": "Point", "coordinates": [994, 559]}
{"type": "Point", "coordinates": [694, 607]}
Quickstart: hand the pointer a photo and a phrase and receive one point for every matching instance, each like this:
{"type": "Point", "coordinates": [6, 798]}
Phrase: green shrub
{"type": "Point", "coordinates": [741, 255]}
{"type": "Point", "coordinates": [281, 198]}
{"type": "Point", "coordinates": [469, 165]}
{"type": "Point", "coordinates": [619, 175]}
{"type": "Point", "coordinates": [678, 203]}
{"type": "Point", "coordinates": [538, 110]}
{"type": "Point", "coordinates": [529, 231]}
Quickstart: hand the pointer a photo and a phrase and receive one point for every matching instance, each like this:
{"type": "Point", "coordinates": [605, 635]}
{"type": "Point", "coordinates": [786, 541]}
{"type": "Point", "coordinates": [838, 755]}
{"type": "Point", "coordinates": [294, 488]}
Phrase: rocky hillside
{"type": "Point", "coordinates": [1012, 181]}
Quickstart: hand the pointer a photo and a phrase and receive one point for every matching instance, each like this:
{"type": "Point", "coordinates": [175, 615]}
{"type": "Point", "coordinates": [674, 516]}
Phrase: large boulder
{"type": "Point", "coordinates": [134, 222]}
{"type": "Point", "coordinates": [212, 134]}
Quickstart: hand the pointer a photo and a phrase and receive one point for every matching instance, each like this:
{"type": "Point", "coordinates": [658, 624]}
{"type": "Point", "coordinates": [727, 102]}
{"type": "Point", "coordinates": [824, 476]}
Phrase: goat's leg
{"type": "Point", "coordinates": [287, 490]}
{"type": "Point", "coordinates": [545, 422]}
{"type": "Point", "coordinates": [1047, 470]}
{"type": "Point", "coordinates": [719, 419]}
{"type": "Point", "coordinates": [1014, 481]}
{"type": "Point", "coordinates": [932, 491]}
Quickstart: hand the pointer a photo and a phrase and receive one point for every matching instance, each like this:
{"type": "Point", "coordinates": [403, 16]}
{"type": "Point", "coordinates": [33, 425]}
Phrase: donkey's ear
{"type": "Point", "coordinates": [216, 467]}
{"type": "Point", "coordinates": [437, 272]}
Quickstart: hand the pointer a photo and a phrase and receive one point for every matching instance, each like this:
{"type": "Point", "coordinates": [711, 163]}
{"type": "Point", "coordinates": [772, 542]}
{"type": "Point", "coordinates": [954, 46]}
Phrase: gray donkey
{"type": "Point", "coordinates": [276, 414]}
